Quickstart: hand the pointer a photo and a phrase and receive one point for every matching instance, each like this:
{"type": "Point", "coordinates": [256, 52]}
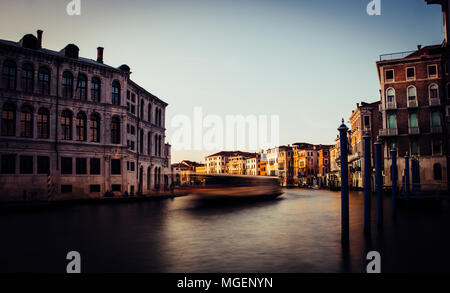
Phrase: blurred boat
{"type": "Point", "coordinates": [236, 187]}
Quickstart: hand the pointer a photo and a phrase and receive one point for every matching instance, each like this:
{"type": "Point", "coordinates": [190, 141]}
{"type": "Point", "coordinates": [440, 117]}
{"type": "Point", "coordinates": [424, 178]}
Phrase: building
{"type": "Point", "coordinates": [286, 165]}
{"type": "Point", "coordinates": [200, 169]}
{"type": "Point", "coordinates": [262, 163]}
{"type": "Point", "coordinates": [184, 171]}
{"type": "Point", "coordinates": [415, 99]}
{"type": "Point", "coordinates": [253, 165]}
{"type": "Point", "coordinates": [366, 118]}
{"type": "Point", "coordinates": [324, 164]}
{"type": "Point", "coordinates": [334, 176]}
{"type": "Point", "coordinates": [72, 127]}
{"type": "Point", "coordinates": [220, 163]}
{"type": "Point", "coordinates": [272, 162]}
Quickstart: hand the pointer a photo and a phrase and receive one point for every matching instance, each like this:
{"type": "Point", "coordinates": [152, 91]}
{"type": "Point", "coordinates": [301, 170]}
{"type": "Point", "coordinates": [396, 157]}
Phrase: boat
{"type": "Point", "coordinates": [235, 187]}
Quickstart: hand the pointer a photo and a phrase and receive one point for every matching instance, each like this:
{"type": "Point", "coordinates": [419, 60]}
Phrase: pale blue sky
{"type": "Point", "coordinates": [308, 61]}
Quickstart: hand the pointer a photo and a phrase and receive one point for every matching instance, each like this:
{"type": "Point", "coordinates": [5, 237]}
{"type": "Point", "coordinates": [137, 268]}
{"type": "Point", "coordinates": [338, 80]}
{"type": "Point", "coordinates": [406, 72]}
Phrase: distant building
{"type": "Point", "coordinates": [286, 165]}
{"type": "Point", "coordinates": [272, 161]}
{"type": "Point", "coordinates": [218, 163]}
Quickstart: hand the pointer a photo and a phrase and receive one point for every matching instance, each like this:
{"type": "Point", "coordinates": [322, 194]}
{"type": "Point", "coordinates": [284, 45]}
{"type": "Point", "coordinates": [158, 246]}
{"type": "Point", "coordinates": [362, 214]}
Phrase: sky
{"type": "Point", "coordinates": [307, 61]}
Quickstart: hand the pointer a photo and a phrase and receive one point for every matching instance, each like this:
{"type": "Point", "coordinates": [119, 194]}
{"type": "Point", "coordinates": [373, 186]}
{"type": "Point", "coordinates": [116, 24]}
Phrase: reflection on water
{"type": "Point", "coordinates": [298, 232]}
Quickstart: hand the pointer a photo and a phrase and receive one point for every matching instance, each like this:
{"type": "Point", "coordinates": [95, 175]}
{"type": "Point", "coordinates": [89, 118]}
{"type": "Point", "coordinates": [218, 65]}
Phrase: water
{"type": "Point", "coordinates": [299, 232]}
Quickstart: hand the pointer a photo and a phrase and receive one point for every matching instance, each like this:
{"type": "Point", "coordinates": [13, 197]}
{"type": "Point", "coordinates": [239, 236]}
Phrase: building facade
{"type": "Point", "coordinates": [72, 127]}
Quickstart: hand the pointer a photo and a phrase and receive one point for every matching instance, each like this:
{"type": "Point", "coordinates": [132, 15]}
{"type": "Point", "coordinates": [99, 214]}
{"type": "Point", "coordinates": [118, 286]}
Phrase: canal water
{"type": "Point", "coordinates": [298, 232]}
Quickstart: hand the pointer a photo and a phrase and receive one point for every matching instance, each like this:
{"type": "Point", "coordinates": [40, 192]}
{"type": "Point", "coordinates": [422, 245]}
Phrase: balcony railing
{"type": "Point", "coordinates": [413, 130]}
{"type": "Point", "coordinates": [412, 104]}
{"type": "Point", "coordinates": [436, 129]}
{"type": "Point", "coordinates": [393, 56]}
{"type": "Point", "coordinates": [389, 132]}
{"type": "Point", "coordinates": [435, 102]}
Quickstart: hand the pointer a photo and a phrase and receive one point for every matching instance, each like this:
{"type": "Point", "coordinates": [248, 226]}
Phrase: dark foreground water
{"type": "Point", "coordinates": [299, 232]}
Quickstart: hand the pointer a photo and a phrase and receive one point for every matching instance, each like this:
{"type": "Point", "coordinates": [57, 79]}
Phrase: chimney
{"type": "Point", "coordinates": [39, 37]}
{"type": "Point", "coordinates": [100, 54]}
{"type": "Point", "coordinates": [419, 47]}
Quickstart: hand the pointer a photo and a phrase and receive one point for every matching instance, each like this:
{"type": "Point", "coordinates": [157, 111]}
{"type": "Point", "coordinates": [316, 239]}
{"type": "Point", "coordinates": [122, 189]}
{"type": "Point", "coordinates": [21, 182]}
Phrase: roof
{"type": "Point", "coordinates": [231, 154]}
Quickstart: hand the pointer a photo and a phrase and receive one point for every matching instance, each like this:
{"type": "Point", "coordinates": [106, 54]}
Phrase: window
{"type": "Point", "coordinates": [366, 121]}
{"type": "Point", "coordinates": [434, 92]}
{"type": "Point", "coordinates": [115, 130]}
{"type": "Point", "coordinates": [26, 165]}
{"type": "Point", "coordinates": [437, 172]}
{"type": "Point", "coordinates": [435, 119]}
{"type": "Point", "coordinates": [414, 148]}
{"type": "Point", "coordinates": [141, 141]}
{"type": "Point", "coordinates": [95, 89]}
{"type": "Point", "coordinates": [81, 127]}
{"type": "Point", "coordinates": [132, 166]}
{"type": "Point", "coordinates": [67, 85]}
{"type": "Point", "coordinates": [432, 70]}
{"type": "Point", "coordinates": [412, 93]}
{"type": "Point", "coordinates": [43, 165]}
{"type": "Point", "coordinates": [94, 188]}
{"type": "Point", "coordinates": [132, 130]}
{"type": "Point", "coordinates": [392, 122]}
{"type": "Point", "coordinates": [116, 187]}
{"type": "Point", "coordinates": [81, 87]}
{"type": "Point", "coordinates": [66, 165]}
{"type": "Point", "coordinates": [149, 112]}
{"type": "Point", "coordinates": [44, 81]}
{"type": "Point", "coordinates": [413, 122]}
{"type": "Point", "coordinates": [115, 167]}
{"type": "Point", "coordinates": [80, 166]}
{"type": "Point", "coordinates": [66, 125]}
{"type": "Point", "coordinates": [389, 75]}
{"type": "Point", "coordinates": [43, 123]}
{"type": "Point", "coordinates": [95, 128]}
{"type": "Point", "coordinates": [8, 164]}
{"type": "Point", "coordinates": [26, 122]}
{"type": "Point", "coordinates": [410, 73]}
{"type": "Point", "coordinates": [95, 166]}
{"type": "Point", "coordinates": [66, 188]}
{"type": "Point", "coordinates": [9, 120]}
{"type": "Point", "coordinates": [115, 93]}
{"type": "Point", "coordinates": [390, 95]}
{"type": "Point", "coordinates": [142, 109]}
{"type": "Point", "coordinates": [437, 147]}
{"type": "Point", "coordinates": [9, 75]}
{"type": "Point", "coordinates": [27, 78]}
{"type": "Point", "coordinates": [149, 144]}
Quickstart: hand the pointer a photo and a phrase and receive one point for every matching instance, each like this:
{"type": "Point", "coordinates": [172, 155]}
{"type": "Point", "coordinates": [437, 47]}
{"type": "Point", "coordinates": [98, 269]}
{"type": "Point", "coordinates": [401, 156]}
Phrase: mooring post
{"type": "Point", "coordinates": [394, 179]}
{"type": "Point", "coordinates": [378, 182]}
{"type": "Point", "coordinates": [407, 175]}
{"type": "Point", "coordinates": [344, 185]}
{"type": "Point", "coordinates": [367, 184]}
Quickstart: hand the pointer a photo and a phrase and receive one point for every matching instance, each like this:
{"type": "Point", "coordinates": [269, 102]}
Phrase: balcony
{"type": "Point", "coordinates": [389, 132]}
{"type": "Point", "coordinates": [413, 103]}
{"type": "Point", "coordinates": [413, 130]}
{"type": "Point", "coordinates": [435, 102]}
{"type": "Point", "coordinates": [388, 106]}
{"type": "Point", "coordinates": [436, 129]}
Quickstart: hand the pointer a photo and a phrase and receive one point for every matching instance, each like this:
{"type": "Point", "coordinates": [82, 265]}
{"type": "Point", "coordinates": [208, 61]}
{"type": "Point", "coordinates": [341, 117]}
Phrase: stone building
{"type": "Point", "coordinates": [72, 127]}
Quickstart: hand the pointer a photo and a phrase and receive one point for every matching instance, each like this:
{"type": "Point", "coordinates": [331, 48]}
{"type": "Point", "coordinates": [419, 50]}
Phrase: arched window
{"type": "Point", "coordinates": [115, 130]}
{"type": "Point", "coordinates": [142, 110]}
{"type": "Point", "coordinates": [434, 92]}
{"type": "Point", "coordinates": [44, 81]}
{"type": "Point", "coordinates": [148, 178]}
{"type": "Point", "coordinates": [149, 143]}
{"type": "Point", "coordinates": [67, 85]}
{"type": "Point", "coordinates": [9, 74]}
{"type": "Point", "coordinates": [156, 145]}
{"type": "Point", "coordinates": [95, 89]}
{"type": "Point", "coordinates": [27, 78]}
{"type": "Point", "coordinates": [149, 110]}
{"type": "Point", "coordinates": [81, 87]}
{"type": "Point", "coordinates": [95, 128]}
{"type": "Point", "coordinates": [9, 120]}
{"type": "Point", "coordinates": [43, 123]}
{"type": "Point", "coordinates": [81, 127]}
{"type": "Point", "coordinates": [412, 93]}
{"type": "Point", "coordinates": [437, 171]}
{"type": "Point", "coordinates": [390, 93]}
{"type": "Point", "coordinates": [115, 97]}
{"type": "Point", "coordinates": [66, 125]}
{"type": "Point", "coordinates": [26, 122]}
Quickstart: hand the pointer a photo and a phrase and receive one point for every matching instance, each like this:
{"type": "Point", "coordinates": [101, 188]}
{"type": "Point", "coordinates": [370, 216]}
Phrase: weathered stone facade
{"type": "Point", "coordinates": [76, 128]}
